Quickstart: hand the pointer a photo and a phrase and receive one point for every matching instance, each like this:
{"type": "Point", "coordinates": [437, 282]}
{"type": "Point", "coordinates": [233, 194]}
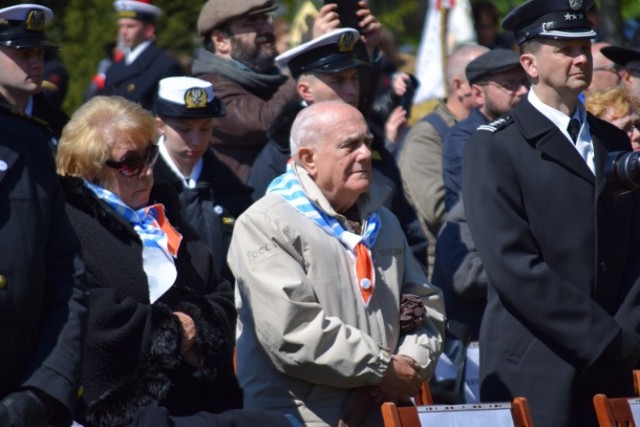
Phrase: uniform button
{"type": "Point", "coordinates": [3, 282]}
{"type": "Point", "coordinates": [603, 265]}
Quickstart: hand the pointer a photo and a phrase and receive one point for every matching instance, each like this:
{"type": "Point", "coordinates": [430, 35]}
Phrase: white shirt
{"type": "Point", "coordinates": [189, 181]}
{"type": "Point", "coordinates": [133, 54]}
{"type": "Point", "coordinates": [584, 143]}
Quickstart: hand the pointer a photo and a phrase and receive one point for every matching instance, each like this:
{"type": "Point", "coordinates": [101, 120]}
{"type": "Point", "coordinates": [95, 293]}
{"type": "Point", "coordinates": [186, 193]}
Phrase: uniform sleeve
{"type": "Point", "coordinates": [59, 352]}
{"type": "Point", "coordinates": [291, 326]}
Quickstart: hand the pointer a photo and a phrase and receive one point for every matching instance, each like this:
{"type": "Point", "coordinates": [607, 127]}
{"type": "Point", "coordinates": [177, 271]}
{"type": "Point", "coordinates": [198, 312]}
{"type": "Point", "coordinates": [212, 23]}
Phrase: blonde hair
{"type": "Point", "coordinates": [613, 103]}
{"type": "Point", "coordinates": [87, 139]}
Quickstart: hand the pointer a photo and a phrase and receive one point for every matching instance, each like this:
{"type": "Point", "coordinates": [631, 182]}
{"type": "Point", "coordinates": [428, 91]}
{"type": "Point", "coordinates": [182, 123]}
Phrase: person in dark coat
{"type": "Point", "coordinates": [211, 195]}
{"type": "Point", "coordinates": [553, 232]}
{"type": "Point", "coordinates": [161, 324]}
{"type": "Point", "coordinates": [22, 48]}
{"type": "Point", "coordinates": [42, 282]}
{"type": "Point", "coordinates": [145, 63]}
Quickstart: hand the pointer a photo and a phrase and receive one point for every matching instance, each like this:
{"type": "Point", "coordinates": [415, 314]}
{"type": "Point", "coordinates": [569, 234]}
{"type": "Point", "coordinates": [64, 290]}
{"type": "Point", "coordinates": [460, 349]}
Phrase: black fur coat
{"type": "Point", "coordinates": [132, 356]}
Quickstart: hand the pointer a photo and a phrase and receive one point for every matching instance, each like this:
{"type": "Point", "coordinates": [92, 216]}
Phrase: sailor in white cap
{"type": "Point", "coordinates": [145, 63]}
{"type": "Point", "coordinates": [211, 195]}
{"type": "Point", "coordinates": [561, 322]}
{"type": "Point", "coordinates": [22, 47]}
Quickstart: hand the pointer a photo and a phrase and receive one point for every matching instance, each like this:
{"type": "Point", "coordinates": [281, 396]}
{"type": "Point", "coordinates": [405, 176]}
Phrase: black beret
{"type": "Point", "coordinates": [556, 19]}
{"type": "Point", "coordinates": [491, 62]}
{"type": "Point", "coordinates": [620, 55]}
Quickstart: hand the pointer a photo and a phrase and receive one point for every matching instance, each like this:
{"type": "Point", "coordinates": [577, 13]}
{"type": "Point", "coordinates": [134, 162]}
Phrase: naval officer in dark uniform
{"type": "Point", "coordinates": [145, 63]}
{"type": "Point", "coordinates": [22, 48]}
{"type": "Point", "coordinates": [552, 232]}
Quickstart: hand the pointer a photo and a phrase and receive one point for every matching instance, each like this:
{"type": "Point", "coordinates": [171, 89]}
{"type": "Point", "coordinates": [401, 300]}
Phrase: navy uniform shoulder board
{"type": "Point", "coordinates": [496, 125]}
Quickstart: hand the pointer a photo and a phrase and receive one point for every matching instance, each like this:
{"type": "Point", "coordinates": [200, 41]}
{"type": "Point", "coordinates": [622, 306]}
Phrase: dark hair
{"type": "Point", "coordinates": [530, 46]}
{"type": "Point", "coordinates": [206, 39]}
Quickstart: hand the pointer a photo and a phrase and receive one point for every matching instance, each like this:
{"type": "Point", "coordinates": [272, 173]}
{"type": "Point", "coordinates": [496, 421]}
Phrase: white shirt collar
{"type": "Point", "coordinates": [133, 54]}
{"type": "Point", "coordinates": [584, 144]}
{"type": "Point", "coordinates": [188, 181]}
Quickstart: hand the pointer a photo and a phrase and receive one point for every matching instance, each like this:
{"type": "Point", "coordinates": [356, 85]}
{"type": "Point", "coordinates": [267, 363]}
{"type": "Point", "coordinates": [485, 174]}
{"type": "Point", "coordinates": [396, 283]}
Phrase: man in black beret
{"type": "Point", "coordinates": [145, 63]}
{"type": "Point", "coordinates": [497, 84]}
{"type": "Point", "coordinates": [554, 234]}
{"type": "Point", "coordinates": [628, 61]}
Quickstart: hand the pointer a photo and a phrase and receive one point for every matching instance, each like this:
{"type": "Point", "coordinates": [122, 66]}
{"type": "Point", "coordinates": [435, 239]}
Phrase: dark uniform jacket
{"type": "Point", "coordinates": [554, 240]}
{"type": "Point", "coordinates": [212, 207]}
{"type": "Point", "coordinates": [42, 296]}
{"type": "Point", "coordinates": [132, 348]}
{"type": "Point", "coordinates": [138, 81]}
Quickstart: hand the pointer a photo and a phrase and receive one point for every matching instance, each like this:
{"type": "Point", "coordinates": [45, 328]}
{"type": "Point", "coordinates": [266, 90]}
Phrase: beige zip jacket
{"type": "Point", "coordinates": [305, 339]}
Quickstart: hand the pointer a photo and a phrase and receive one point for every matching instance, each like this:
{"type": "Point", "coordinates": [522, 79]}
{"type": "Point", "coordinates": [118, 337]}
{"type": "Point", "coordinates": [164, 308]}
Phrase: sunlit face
{"type": "Point", "coordinates": [186, 140]}
{"type": "Point", "coordinates": [342, 168]}
{"type": "Point", "coordinates": [21, 72]}
{"type": "Point", "coordinates": [564, 65]}
{"type": "Point", "coordinates": [630, 123]}
{"type": "Point", "coordinates": [253, 42]}
{"type": "Point", "coordinates": [342, 86]}
{"type": "Point", "coordinates": [133, 32]}
{"type": "Point", "coordinates": [502, 91]}
{"type": "Point", "coordinates": [134, 190]}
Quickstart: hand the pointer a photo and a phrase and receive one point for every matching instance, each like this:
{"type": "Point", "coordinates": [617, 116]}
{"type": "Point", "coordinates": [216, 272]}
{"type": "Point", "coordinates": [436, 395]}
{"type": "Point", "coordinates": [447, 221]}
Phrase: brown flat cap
{"type": "Point", "coordinates": [214, 13]}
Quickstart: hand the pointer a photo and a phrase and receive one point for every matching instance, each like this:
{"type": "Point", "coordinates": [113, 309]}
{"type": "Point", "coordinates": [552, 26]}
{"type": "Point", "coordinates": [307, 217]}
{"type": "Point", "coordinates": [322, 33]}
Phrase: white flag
{"type": "Point", "coordinates": [429, 61]}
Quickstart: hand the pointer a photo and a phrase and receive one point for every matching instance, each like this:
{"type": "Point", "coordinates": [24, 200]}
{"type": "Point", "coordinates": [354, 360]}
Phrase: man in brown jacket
{"type": "Point", "coordinates": [238, 58]}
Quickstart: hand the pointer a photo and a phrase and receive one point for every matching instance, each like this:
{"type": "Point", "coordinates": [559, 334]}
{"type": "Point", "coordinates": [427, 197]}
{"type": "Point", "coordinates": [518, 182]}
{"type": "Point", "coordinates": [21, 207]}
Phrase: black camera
{"type": "Point", "coordinates": [623, 170]}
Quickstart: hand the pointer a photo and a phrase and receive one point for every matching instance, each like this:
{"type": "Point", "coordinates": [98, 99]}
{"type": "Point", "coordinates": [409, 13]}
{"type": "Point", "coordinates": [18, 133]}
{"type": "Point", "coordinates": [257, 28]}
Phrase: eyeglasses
{"type": "Point", "coordinates": [510, 85]}
{"type": "Point", "coordinates": [135, 162]}
{"type": "Point", "coordinates": [255, 22]}
{"type": "Point", "coordinates": [609, 68]}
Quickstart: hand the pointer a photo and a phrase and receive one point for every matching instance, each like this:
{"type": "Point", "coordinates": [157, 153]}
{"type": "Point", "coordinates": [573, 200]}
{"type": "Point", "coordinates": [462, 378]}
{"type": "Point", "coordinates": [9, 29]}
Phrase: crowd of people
{"type": "Point", "coordinates": [263, 239]}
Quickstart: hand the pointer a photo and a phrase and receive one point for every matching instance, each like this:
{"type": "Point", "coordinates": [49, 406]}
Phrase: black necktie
{"type": "Point", "coordinates": [573, 128]}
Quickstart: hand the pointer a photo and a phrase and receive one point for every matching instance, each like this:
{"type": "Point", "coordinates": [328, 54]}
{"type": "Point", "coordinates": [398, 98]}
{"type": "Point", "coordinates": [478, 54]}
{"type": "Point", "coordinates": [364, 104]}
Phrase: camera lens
{"type": "Point", "coordinates": [623, 169]}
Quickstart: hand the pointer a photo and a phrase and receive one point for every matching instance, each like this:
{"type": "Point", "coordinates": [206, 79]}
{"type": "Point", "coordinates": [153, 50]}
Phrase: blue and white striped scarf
{"type": "Point", "coordinates": [289, 188]}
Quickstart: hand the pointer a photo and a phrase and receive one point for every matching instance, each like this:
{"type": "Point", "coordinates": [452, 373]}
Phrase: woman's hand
{"type": "Point", "coordinates": [188, 351]}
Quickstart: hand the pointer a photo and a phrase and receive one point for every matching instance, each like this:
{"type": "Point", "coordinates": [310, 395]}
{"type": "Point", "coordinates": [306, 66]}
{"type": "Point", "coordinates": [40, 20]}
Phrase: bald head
{"type": "Point", "coordinates": [315, 122]}
{"type": "Point", "coordinates": [458, 61]}
{"type": "Point", "coordinates": [605, 75]}
{"type": "Point", "coordinates": [459, 99]}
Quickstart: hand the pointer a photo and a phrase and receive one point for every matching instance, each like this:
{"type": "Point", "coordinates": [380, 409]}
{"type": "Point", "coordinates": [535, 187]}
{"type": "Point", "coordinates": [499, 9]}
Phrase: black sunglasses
{"type": "Point", "coordinates": [135, 162]}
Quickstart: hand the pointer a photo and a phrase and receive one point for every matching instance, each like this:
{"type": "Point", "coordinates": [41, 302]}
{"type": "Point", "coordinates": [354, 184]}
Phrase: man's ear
{"type": "Point", "coordinates": [221, 42]}
{"type": "Point", "coordinates": [160, 125]}
{"type": "Point", "coordinates": [528, 62]}
{"type": "Point", "coordinates": [305, 90]}
{"type": "Point", "coordinates": [307, 159]}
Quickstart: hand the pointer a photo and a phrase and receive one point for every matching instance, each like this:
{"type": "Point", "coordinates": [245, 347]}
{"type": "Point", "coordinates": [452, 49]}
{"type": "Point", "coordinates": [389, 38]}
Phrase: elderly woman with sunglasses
{"type": "Point", "coordinates": [161, 324]}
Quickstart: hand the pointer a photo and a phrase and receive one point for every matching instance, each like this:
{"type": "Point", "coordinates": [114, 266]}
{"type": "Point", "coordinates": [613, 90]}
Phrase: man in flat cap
{"type": "Point", "coordinates": [554, 232]}
{"type": "Point", "coordinates": [145, 63]}
{"type": "Point", "coordinates": [42, 297]}
{"type": "Point", "coordinates": [237, 57]}
{"type": "Point", "coordinates": [628, 61]}
{"type": "Point", "coordinates": [22, 49]}
{"type": "Point", "coordinates": [497, 84]}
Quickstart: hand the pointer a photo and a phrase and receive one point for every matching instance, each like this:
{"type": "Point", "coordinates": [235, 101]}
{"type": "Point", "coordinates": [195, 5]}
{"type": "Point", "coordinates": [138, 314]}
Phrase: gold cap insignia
{"type": "Point", "coordinates": [346, 42]}
{"type": "Point", "coordinates": [195, 98]}
{"type": "Point", "coordinates": [127, 14]}
{"type": "Point", "coordinates": [35, 20]}
{"type": "Point", "coordinates": [131, 87]}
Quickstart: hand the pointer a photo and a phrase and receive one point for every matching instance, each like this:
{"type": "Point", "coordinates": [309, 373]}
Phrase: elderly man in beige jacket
{"type": "Point", "coordinates": [323, 274]}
